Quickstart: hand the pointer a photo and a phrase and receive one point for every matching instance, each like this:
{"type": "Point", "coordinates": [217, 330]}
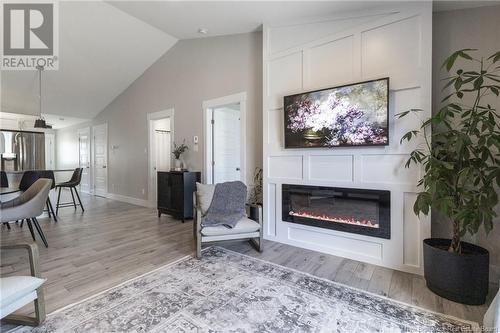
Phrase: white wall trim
{"type": "Point", "coordinates": [240, 98]}
{"type": "Point", "coordinates": [92, 140]}
{"type": "Point", "coordinates": [168, 113]}
{"type": "Point", "coordinates": [130, 200]}
{"type": "Point", "coordinates": [326, 60]}
{"type": "Point", "coordinates": [86, 131]}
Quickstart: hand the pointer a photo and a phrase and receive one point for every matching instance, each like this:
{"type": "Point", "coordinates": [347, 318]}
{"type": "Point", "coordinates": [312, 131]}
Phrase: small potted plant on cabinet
{"type": "Point", "coordinates": [178, 151]}
{"type": "Point", "coordinates": [460, 159]}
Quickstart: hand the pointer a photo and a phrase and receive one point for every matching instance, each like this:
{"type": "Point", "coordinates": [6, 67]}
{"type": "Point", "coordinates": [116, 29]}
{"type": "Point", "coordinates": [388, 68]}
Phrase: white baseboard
{"type": "Point", "coordinates": [130, 200]}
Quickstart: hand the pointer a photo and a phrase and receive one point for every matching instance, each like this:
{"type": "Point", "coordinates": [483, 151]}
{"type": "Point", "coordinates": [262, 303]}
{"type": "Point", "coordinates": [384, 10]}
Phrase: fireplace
{"type": "Point", "coordinates": [365, 212]}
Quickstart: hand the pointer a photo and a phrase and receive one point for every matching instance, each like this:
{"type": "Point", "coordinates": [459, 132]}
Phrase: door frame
{"type": "Point", "coordinates": [208, 105]}
{"type": "Point", "coordinates": [89, 157]}
{"type": "Point", "coordinates": [51, 150]}
{"type": "Point", "coordinates": [93, 159]}
{"type": "Point", "coordinates": [151, 117]}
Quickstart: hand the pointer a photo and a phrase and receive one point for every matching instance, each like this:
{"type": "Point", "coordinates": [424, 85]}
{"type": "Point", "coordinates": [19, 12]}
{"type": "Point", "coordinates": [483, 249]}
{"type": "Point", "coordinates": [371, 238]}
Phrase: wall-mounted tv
{"type": "Point", "coordinates": [351, 115]}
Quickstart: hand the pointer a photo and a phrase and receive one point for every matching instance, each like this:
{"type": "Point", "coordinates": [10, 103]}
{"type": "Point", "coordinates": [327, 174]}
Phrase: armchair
{"type": "Point", "coordinates": [246, 228]}
{"type": "Point", "coordinates": [17, 291]}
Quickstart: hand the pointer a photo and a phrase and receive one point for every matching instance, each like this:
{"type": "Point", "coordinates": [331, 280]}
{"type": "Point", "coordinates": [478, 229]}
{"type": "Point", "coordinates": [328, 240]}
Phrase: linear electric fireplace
{"type": "Point", "coordinates": [365, 212]}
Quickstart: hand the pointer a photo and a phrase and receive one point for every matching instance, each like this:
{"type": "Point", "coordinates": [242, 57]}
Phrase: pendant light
{"type": "Point", "coordinates": [40, 122]}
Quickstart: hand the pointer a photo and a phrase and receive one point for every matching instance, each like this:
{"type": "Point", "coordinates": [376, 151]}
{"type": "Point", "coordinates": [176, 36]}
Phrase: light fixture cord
{"type": "Point", "coordinates": [40, 69]}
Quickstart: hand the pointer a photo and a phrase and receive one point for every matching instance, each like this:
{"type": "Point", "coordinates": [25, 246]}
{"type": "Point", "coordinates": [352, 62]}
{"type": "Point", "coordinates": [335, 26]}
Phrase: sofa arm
{"type": "Point", "coordinates": [32, 249]}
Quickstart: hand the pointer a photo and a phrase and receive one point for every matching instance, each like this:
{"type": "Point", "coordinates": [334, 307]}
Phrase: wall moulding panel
{"type": "Point", "coordinates": [394, 41]}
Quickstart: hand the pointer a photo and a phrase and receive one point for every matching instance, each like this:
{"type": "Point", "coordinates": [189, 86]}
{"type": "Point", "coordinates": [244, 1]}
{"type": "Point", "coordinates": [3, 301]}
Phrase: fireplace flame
{"type": "Point", "coordinates": [336, 219]}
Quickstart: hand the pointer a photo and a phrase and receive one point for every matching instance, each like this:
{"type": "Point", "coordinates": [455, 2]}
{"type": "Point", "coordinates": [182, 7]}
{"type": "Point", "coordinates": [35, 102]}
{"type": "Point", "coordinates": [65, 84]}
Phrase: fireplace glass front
{"type": "Point", "coordinates": [360, 211]}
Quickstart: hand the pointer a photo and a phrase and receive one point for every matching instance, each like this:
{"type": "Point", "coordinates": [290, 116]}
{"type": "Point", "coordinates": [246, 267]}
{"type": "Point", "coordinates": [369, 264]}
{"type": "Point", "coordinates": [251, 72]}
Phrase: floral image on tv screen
{"type": "Point", "coordinates": [351, 115]}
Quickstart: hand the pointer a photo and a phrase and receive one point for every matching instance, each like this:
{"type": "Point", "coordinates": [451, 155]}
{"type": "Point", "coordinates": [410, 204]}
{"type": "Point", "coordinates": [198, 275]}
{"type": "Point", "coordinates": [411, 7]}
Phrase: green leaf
{"type": "Point", "coordinates": [402, 114]}
{"type": "Point", "coordinates": [479, 81]}
{"type": "Point", "coordinates": [450, 61]}
{"type": "Point", "coordinates": [495, 57]}
{"type": "Point", "coordinates": [408, 136]}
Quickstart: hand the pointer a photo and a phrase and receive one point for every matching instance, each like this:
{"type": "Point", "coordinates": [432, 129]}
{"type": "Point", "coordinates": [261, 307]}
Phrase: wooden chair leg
{"type": "Point", "coordinates": [23, 320]}
{"type": "Point", "coordinates": [198, 248]}
{"type": "Point", "coordinates": [40, 231]}
{"type": "Point", "coordinates": [7, 225]}
{"type": "Point", "coordinates": [72, 196]}
{"type": "Point", "coordinates": [79, 200]}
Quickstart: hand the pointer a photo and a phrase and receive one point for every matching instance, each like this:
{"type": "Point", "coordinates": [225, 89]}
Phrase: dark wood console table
{"type": "Point", "coordinates": [175, 193]}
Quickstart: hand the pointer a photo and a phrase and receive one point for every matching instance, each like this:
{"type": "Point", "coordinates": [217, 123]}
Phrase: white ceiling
{"type": "Point", "coordinates": [182, 19]}
{"type": "Point", "coordinates": [105, 46]}
{"type": "Point", "coordinates": [102, 51]}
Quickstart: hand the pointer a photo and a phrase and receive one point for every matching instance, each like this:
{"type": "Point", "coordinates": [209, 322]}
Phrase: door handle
{"type": "Point", "coordinates": [104, 167]}
{"type": "Point", "coordinates": [237, 169]}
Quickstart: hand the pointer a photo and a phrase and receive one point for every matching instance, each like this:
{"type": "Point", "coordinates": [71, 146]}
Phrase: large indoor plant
{"type": "Point", "coordinates": [460, 159]}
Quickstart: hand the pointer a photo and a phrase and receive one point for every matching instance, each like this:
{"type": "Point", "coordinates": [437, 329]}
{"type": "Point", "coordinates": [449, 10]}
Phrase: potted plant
{"type": "Point", "coordinates": [178, 151]}
{"type": "Point", "coordinates": [460, 159]}
{"type": "Point", "coordinates": [255, 198]}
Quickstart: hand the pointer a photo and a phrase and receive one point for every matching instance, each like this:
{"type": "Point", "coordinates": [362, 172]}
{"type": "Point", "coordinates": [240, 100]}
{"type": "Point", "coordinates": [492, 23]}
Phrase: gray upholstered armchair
{"type": "Point", "coordinates": [246, 228]}
{"type": "Point", "coordinates": [28, 206]}
{"type": "Point", "coordinates": [17, 291]}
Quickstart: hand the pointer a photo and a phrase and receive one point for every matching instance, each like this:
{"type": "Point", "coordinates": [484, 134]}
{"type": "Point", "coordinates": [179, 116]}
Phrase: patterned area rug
{"type": "Point", "coordinates": [231, 292]}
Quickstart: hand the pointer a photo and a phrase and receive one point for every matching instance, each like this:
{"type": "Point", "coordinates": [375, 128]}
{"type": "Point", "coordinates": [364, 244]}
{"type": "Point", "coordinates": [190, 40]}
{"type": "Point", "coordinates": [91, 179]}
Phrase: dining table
{"type": "Point", "coordinates": [18, 174]}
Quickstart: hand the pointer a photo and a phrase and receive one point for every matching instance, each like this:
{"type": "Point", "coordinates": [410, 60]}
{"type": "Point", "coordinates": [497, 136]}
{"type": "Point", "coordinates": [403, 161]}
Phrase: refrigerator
{"type": "Point", "coordinates": [22, 150]}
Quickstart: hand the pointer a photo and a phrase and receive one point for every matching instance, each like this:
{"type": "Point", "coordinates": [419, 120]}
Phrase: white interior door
{"type": "Point", "coordinates": [226, 150]}
{"type": "Point", "coordinates": [84, 158]}
{"type": "Point", "coordinates": [100, 159]}
{"type": "Point", "coordinates": [50, 151]}
{"type": "Point", "coordinates": [161, 149]}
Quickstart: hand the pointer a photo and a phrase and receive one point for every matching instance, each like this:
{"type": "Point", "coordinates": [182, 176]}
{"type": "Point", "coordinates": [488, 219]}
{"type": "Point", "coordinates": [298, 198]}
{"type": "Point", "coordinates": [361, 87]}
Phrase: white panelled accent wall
{"type": "Point", "coordinates": [393, 43]}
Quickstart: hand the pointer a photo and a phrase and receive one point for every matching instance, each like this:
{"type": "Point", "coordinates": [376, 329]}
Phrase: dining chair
{"type": "Point", "coordinates": [29, 178]}
{"type": "Point", "coordinates": [28, 206]}
{"type": "Point", "coordinates": [49, 174]}
{"type": "Point", "coordinates": [4, 181]}
{"type": "Point", "coordinates": [75, 180]}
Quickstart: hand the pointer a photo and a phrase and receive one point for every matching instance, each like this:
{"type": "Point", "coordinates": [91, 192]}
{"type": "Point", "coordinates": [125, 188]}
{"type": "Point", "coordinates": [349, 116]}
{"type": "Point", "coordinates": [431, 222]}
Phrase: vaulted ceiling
{"type": "Point", "coordinates": [102, 50]}
{"type": "Point", "coordinates": [105, 46]}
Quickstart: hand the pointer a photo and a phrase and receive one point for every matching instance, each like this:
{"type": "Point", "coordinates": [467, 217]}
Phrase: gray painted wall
{"type": "Point", "coordinates": [469, 28]}
{"type": "Point", "coordinates": [189, 73]}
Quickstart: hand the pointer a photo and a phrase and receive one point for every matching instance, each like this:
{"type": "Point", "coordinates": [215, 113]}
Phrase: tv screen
{"type": "Point", "coordinates": [350, 115]}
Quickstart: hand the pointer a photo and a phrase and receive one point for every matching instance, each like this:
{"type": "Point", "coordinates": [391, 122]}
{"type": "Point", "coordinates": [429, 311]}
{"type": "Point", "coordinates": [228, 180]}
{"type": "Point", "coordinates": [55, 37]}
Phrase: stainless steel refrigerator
{"type": "Point", "coordinates": [22, 150]}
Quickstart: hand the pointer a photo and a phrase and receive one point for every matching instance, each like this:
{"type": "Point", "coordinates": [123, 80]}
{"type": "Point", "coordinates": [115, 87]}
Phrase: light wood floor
{"type": "Point", "coordinates": [113, 242]}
